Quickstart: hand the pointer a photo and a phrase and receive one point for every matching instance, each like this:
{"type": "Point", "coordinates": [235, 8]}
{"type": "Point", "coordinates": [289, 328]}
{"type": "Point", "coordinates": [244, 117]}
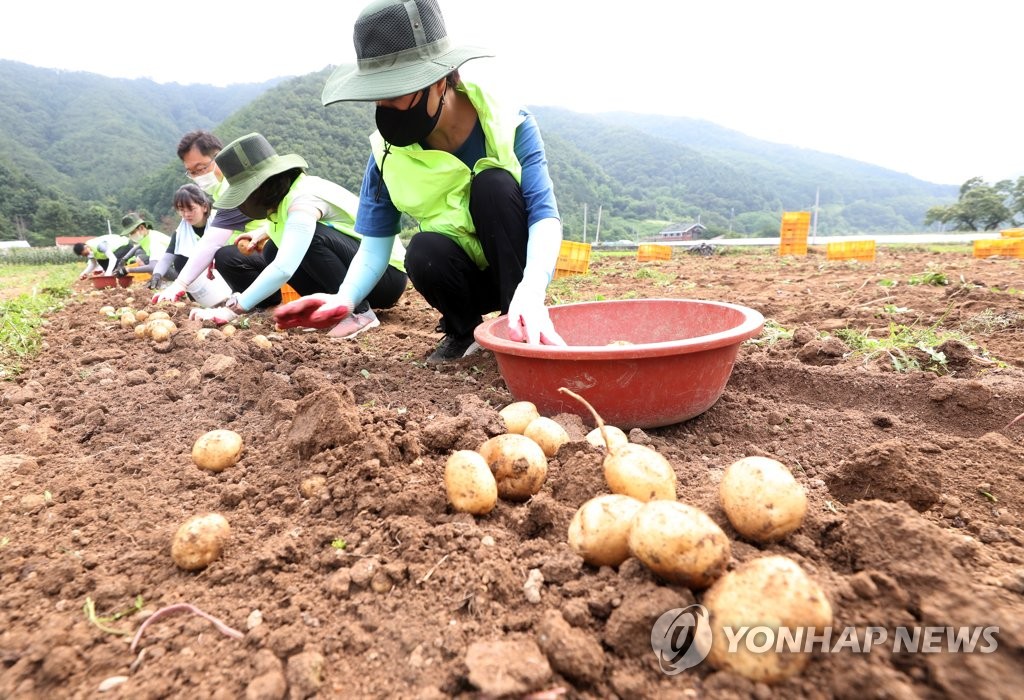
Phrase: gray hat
{"type": "Point", "coordinates": [402, 46]}
{"type": "Point", "coordinates": [246, 163]}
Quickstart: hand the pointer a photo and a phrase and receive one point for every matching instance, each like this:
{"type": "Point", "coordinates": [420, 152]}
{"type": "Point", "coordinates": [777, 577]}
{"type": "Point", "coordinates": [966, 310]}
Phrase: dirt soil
{"type": "Point", "coordinates": [915, 483]}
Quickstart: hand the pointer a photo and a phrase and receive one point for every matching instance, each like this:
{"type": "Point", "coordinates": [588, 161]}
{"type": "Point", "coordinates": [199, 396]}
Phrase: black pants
{"type": "Point", "coordinates": [322, 270]}
{"type": "Point", "coordinates": [450, 281]}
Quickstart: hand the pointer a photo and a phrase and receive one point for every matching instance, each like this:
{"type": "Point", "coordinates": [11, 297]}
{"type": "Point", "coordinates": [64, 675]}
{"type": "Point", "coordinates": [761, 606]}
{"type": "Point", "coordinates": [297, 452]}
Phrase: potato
{"type": "Point", "coordinates": [141, 315]}
{"type": "Point", "coordinates": [108, 310]}
{"type": "Point", "coordinates": [470, 485]}
{"type": "Point", "coordinates": [262, 341]}
{"type": "Point", "coordinates": [599, 531]}
{"type": "Point", "coordinates": [140, 330]}
{"type": "Point", "coordinates": [128, 320]}
{"type": "Point", "coordinates": [548, 434]}
{"type": "Point", "coordinates": [773, 592]}
{"type": "Point", "coordinates": [641, 472]}
{"type": "Point", "coordinates": [199, 541]}
{"type": "Point", "coordinates": [518, 464]}
{"type": "Point", "coordinates": [616, 437]}
{"type": "Point", "coordinates": [159, 334]}
{"type": "Point", "coordinates": [217, 450]}
{"type": "Point", "coordinates": [633, 470]}
{"type": "Point", "coordinates": [228, 330]}
{"type": "Point", "coordinates": [517, 416]}
{"type": "Point", "coordinates": [762, 499]}
{"type": "Point", "coordinates": [158, 315]}
{"type": "Point", "coordinates": [680, 543]}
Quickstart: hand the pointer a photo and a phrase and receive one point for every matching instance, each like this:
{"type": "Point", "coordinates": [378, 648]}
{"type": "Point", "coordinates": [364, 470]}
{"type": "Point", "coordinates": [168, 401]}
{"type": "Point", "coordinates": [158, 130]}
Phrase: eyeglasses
{"type": "Point", "coordinates": [200, 169]}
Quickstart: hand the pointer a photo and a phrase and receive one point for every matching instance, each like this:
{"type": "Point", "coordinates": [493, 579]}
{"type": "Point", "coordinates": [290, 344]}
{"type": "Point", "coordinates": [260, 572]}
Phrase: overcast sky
{"type": "Point", "coordinates": [932, 89]}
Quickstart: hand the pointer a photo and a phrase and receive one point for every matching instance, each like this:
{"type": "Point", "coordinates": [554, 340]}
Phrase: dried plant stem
{"type": "Point", "coordinates": [185, 607]}
{"type": "Point", "coordinates": [593, 412]}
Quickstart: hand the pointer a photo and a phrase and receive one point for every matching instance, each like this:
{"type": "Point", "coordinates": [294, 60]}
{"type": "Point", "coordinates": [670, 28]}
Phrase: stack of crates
{"type": "Point", "coordinates": [1012, 233]}
{"type": "Point", "coordinates": [651, 251]}
{"type": "Point", "coordinates": [573, 259]}
{"type": "Point", "coordinates": [793, 232]}
{"type": "Point", "coordinates": [1010, 247]}
{"type": "Point", "coordinates": [851, 250]}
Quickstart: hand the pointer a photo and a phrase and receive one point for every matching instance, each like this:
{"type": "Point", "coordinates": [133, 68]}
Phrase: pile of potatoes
{"type": "Point", "coordinates": [682, 544]}
{"type": "Point", "coordinates": [512, 466]}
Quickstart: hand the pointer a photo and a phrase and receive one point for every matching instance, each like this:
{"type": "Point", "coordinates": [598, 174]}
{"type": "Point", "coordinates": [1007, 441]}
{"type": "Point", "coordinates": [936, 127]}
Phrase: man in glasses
{"type": "Point", "coordinates": [197, 150]}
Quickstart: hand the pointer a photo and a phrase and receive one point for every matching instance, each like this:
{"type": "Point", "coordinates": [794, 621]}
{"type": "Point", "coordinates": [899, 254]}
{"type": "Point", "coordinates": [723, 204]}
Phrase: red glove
{"type": "Point", "coordinates": [306, 312]}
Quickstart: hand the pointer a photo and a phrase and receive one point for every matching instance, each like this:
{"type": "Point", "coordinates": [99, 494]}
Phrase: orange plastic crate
{"type": "Point", "coordinates": [288, 294]}
{"type": "Point", "coordinates": [1012, 233]}
{"type": "Point", "coordinates": [573, 259]}
{"type": "Point", "coordinates": [652, 251]}
{"type": "Point", "coordinates": [1008, 247]}
{"type": "Point", "coordinates": [851, 250]}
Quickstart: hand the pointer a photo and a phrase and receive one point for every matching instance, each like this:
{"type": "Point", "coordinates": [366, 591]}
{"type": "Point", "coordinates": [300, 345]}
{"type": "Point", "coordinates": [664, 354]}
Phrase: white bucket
{"type": "Point", "coordinates": [209, 292]}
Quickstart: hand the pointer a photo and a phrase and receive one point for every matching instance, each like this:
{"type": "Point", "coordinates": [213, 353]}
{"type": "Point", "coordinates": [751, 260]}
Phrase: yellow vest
{"type": "Point", "coordinates": [113, 242]}
{"type": "Point", "coordinates": [432, 186]}
{"type": "Point", "coordinates": [340, 199]}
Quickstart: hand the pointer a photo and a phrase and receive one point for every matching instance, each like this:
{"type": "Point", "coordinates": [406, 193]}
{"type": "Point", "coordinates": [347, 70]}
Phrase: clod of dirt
{"type": "Point", "coordinates": [323, 419]}
{"type": "Point", "coordinates": [823, 351]}
{"type": "Point", "coordinates": [969, 394]}
{"type": "Point", "coordinates": [628, 630]}
{"type": "Point", "coordinates": [958, 354]}
{"type": "Point", "coordinates": [507, 667]}
{"type": "Point", "coordinates": [804, 335]}
{"type": "Point", "coordinates": [572, 652]}
{"type": "Point", "coordinates": [884, 471]}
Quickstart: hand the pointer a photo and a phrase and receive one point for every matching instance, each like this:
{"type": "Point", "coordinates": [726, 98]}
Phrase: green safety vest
{"type": "Point", "coordinates": [113, 241]}
{"type": "Point", "coordinates": [337, 196]}
{"type": "Point", "coordinates": [432, 186]}
{"type": "Point", "coordinates": [155, 240]}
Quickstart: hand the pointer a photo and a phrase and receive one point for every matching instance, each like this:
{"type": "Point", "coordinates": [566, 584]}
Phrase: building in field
{"type": "Point", "coordinates": [682, 232]}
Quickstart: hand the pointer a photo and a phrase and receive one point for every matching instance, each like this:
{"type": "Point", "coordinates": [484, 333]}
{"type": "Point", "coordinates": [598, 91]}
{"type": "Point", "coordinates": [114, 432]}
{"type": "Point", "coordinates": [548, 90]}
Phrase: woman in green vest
{"type": "Point", "coordinates": [471, 171]}
{"type": "Point", "coordinates": [148, 244]}
{"type": "Point", "coordinates": [311, 237]}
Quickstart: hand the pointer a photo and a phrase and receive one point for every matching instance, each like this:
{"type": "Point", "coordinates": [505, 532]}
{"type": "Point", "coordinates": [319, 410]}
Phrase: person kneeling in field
{"type": "Point", "coordinates": [469, 168]}
{"type": "Point", "coordinates": [311, 234]}
{"type": "Point", "coordinates": [102, 252]}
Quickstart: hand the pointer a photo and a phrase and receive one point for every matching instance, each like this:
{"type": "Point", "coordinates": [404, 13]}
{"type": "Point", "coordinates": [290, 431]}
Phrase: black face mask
{"type": "Point", "coordinates": [404, 127]}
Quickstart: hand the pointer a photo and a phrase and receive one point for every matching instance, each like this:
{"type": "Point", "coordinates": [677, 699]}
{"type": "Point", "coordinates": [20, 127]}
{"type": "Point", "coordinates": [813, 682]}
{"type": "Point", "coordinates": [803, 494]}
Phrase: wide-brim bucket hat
{"type": "Point", "coordinates": [131, 221]}
{"type": "Point", "coordinates": [246, 163]}
{"type": "Point", "coordinates": [402, 46]}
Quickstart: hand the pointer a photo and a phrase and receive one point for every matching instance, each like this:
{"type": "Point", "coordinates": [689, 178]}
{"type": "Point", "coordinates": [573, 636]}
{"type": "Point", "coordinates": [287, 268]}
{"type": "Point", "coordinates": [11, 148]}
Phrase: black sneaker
{"type": "Point", "coordinates": [453, 347]}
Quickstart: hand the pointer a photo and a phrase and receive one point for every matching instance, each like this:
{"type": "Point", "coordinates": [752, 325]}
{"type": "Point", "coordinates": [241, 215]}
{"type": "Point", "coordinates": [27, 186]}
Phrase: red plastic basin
{"type": "Point", "coordinates": [678, 359]}
{"type": "Point", "coordinates": [104, 281]}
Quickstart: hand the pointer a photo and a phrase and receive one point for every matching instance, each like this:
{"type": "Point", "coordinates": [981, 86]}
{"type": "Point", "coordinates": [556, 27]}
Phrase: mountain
{"type": "Point", "coordinates": [77, 149]}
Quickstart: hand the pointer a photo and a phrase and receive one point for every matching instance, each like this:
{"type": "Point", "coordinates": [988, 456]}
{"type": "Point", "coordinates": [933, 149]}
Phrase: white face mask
{"type": "Point", "coordinates": [136, 236]}
{"type": "Point", "coordinates": [207, 182]}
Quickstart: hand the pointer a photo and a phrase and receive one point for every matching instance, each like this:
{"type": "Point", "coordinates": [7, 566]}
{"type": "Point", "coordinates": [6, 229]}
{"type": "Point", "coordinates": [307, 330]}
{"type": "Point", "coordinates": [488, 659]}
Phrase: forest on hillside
{"type": "Point", "coordinates": [79, 150]}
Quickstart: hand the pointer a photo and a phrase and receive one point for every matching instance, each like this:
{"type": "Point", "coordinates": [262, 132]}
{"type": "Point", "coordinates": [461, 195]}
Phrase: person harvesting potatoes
{"type": "Point", "coordinates": [471, 170]}
{"type": "Point", "coordinates": [311, 238]}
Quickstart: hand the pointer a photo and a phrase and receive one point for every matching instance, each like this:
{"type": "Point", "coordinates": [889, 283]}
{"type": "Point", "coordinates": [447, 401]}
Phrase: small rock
{"type": "Point", "coordinates": [254, 620]}
{"type": "Point", "coordinates": [534, 582]}
{"type": "Point", "coordinates": [111, 683]}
